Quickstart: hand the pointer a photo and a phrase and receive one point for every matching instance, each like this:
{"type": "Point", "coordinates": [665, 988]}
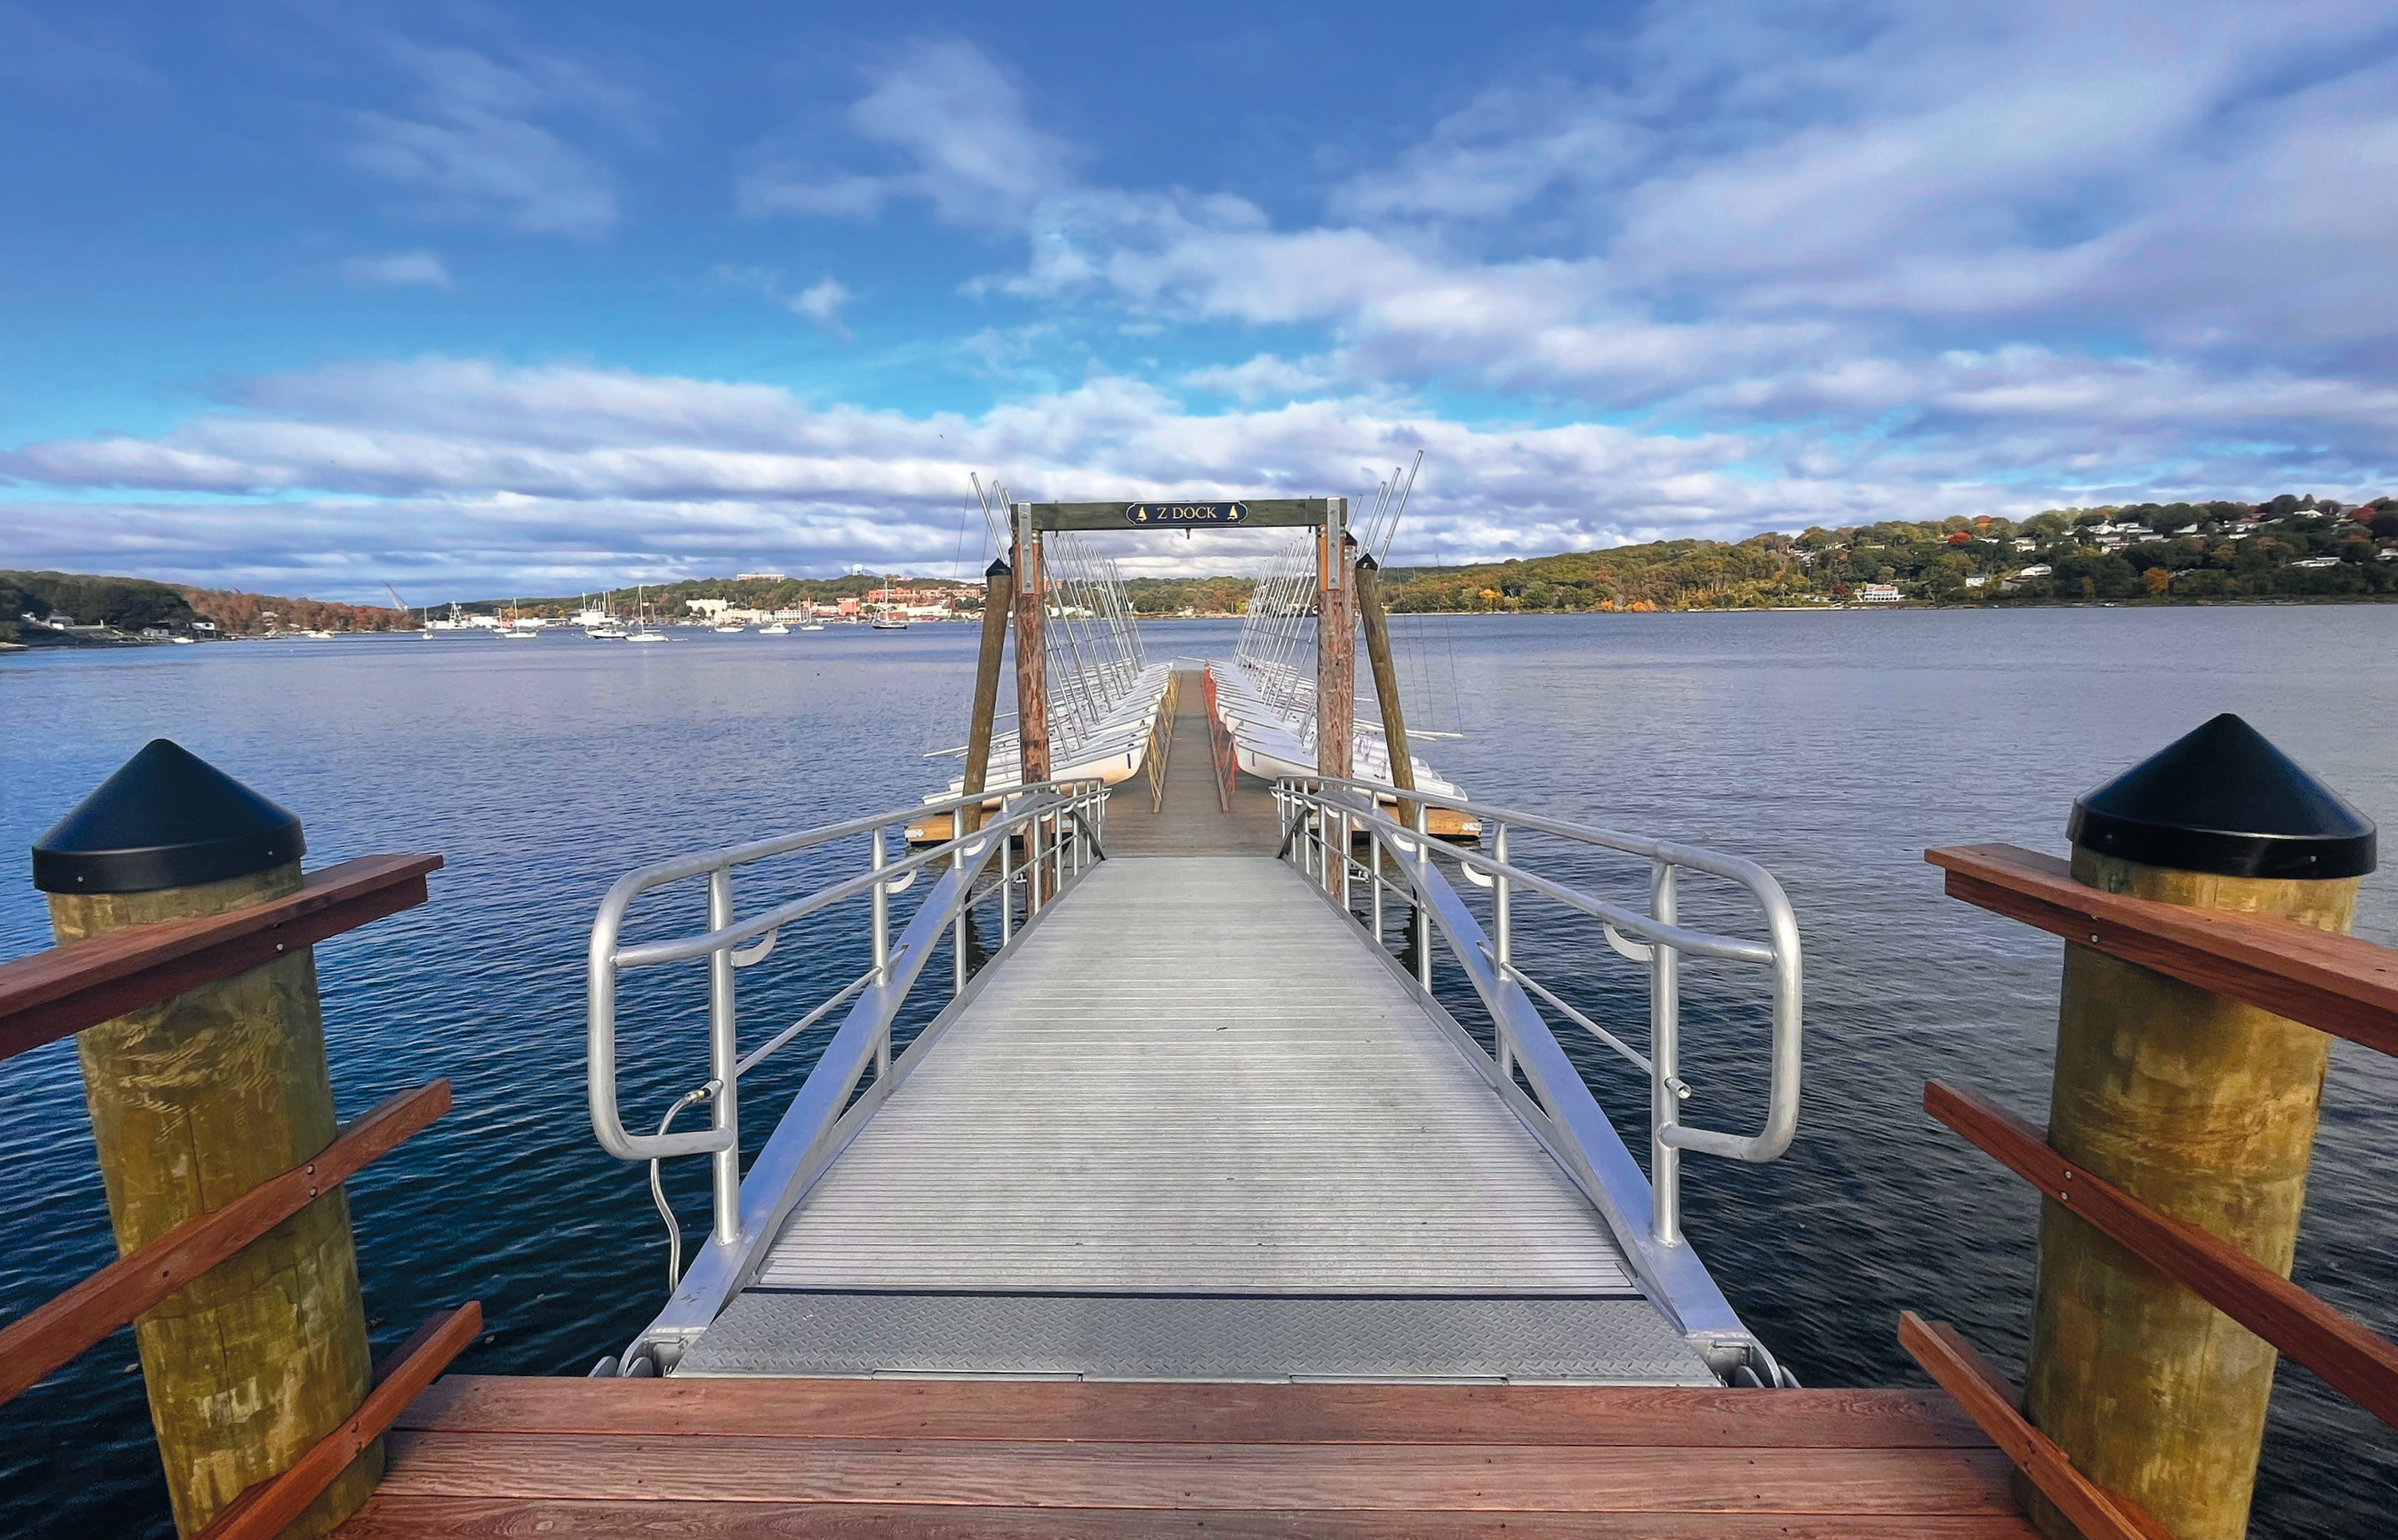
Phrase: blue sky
{"type": "Point", "coordinates": [487, 299]}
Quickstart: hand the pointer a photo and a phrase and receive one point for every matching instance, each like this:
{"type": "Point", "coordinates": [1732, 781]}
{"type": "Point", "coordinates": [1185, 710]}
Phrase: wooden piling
{"type": "Point", "coordinates": [998, 608]}
{"type": "Point", "coordinates": [1386, 679]}
{"type": "Point", "coordinates": [2199, 1105]}
{"type": "Point", "coordinates": [195, 1102]}
{"type": "Point", "coordinates": [1031, 662]}
{"type": "Point", "coordinates": [1336, 649]}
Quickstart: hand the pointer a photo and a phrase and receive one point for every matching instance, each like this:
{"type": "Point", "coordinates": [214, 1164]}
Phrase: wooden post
{"type": "Point", "coordinates": [1386, 679]}
{"type": "Point", "coordinates": [194, 1102]}
{"type": "Point", "coordinates": [998, 608]}
{"type": "Point", "coordinates": [1032, 662]}
{"type": "Point", "coordinates": [2201, 1107]}
{"type": "Point", "coordinates": [1335, 648]}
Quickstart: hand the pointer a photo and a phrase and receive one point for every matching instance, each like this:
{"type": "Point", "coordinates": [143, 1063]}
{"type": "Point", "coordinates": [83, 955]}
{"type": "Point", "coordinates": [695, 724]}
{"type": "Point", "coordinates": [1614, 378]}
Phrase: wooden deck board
{"type": "Point", "coordinates": [1638, 1416]}
{"type": "Point", "coordinates": [818, 1459]}
{"type": "Point", "coordinates": [1022, 1473]}
{"type": "Point", "coordinates": [390, 1518]}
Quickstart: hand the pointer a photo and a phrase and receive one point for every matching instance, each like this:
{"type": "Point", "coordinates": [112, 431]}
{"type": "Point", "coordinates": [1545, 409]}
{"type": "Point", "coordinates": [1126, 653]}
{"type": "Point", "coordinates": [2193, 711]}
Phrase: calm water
{"type": "Point", "coordinates": [1832, 747]}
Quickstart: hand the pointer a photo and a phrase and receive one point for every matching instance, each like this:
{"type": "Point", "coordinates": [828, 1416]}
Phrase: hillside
{"type": "Point", "coordinates": [2289, 547]}
{"type": "Point", "coordinates": [32, 604]}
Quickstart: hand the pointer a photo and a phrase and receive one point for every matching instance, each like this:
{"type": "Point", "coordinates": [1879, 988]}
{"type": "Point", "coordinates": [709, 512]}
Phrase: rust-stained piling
{"type": "Point", "coordinates": [1336, 646]}
{"type": "Point", "coordinates": [998, 608]}
{"type": "Point", "coordinates": [1032, 660]}
{"type": "Point", "coordinates": [1386, 680]}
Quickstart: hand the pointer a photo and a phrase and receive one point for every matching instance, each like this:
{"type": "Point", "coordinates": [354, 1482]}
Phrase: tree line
{"type": "Point", "coordinates": [29, 601]}
{"type": "Point", "coordinates": [2292, 547]}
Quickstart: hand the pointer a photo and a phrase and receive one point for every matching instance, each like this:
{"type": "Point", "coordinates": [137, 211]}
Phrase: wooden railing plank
{"type": "Point", "coordinates": [268, 1508]}
{"type": "Point", "coordinates": [53, 994]}
{"type": "Point", "coordinates": [1221, 747]}
{"type": "Point", "coordinates": [1991, 1402]}
{"type": "Point", "coordinates": [46, 1338]}
{"type": "Point", "coordinates": [2350, 1357]}
{"type": "Point", "coordinates": [2333, 982]}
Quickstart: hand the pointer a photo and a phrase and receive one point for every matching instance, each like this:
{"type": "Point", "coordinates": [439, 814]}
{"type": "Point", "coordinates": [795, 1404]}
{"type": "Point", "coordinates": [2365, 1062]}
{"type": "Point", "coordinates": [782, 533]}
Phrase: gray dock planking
{"type": "Point", "coordinates": [1192, 820]}
{"type": "Point", "coordinates": [1193, 1127]}
{"type": "Point", "coordinates": [1195, 1078]}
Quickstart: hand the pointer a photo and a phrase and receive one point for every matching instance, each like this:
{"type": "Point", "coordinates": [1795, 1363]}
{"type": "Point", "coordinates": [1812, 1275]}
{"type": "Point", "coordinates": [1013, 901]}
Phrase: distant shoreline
{"type": "Point", "coordinates": [45, 642]}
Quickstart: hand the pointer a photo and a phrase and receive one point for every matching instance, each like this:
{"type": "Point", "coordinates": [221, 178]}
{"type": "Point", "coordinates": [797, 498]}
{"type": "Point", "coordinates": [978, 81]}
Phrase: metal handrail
{"type": "Point", "coordinates": [1060, 821]}
{"type": "Point", "coordinates": [1336, 808]}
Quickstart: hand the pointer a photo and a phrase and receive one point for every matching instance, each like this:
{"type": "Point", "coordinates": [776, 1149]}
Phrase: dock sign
{"type": "Point", "coordinates": [1175, 514]}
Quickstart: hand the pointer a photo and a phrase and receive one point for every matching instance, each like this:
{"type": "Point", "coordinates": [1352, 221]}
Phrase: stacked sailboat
{"type": "Point", "coordinates": [1104, 694]}
{"type": "Point", "coordinates": [1267, 696]}
{"type": "Point", "coordinates": [1103, 689]}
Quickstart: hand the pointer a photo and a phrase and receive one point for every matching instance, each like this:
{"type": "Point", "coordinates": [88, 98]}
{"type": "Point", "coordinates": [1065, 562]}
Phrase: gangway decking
{"type": "Point", "coordinates": [1192, 816]}
{"type": "Point", "coordinates": [1141, 1153]}
{"type": "Point", "coordinates": [1193, 1215]}
{"type": "Point", "coordinates": [1195, 1209]}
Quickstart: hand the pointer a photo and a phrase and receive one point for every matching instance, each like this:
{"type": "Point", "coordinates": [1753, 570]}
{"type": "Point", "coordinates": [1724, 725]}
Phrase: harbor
{"type": "Point", "coordinates": [1559, 771]}
{"type": "Point", "coordinates": [1792, 1254]}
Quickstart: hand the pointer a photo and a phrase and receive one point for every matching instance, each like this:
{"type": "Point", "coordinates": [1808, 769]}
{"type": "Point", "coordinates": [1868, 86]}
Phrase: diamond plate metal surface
{"type": "Point", "coordinates": [1150, 1337]}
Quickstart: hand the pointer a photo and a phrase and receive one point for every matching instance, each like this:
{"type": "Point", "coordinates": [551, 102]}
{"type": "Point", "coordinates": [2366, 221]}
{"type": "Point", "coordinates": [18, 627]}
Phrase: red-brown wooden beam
{"type": "Point", "coordinates": [482, 1518]}
{"type": "Point", "coordinates": [35, 1346]}
{"type": "Point", "coordinates": [1993, 1403]}
{"type": "Point", "coordinates": [2350, 1357]}
{"type": "Point", "coordinates": [1196, 1413]}
{"type": "Point", "coordinates": [268, 1508]}
{"type": "Point", "coordinates": [54, 994]}
{"type": "Point", "coordinates": [2333, 982]}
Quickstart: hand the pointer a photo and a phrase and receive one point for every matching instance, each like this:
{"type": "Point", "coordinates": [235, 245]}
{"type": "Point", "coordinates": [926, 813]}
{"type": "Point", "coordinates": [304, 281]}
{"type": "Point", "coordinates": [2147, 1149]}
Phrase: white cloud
{"type": "Point", "coordinates": [1729, 193]}
{"type": "Point", "coordinates": [401, 270]}
{"type": "Point", "coordinates": [574, 476]}
{"type": "Point", "coordinates": [1263, 376]}
{"type": "Point", "coordinates": [1811, 264]}
{"type": "Point", "coordinates": [960, 122]}
{"type": "Point", "coordinates": [474, 150]}
{"type": "Point", "coordinates": [822, 302]}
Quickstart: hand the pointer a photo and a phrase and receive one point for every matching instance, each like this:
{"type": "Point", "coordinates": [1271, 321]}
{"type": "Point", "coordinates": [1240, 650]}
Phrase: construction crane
{"type": "Point", "coordinates": [401, 605]}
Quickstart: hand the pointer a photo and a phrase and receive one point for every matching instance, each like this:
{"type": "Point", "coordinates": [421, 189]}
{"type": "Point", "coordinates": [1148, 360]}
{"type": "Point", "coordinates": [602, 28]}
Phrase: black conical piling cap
{"type": "Point", "coordinates": [2223, 799]}
{"type": "Point", "coordinates": [1367, 564]}
{"type": "Point", "coordinates": [167, 819]}
{"type": "Point", "coordinates": [999, 568]}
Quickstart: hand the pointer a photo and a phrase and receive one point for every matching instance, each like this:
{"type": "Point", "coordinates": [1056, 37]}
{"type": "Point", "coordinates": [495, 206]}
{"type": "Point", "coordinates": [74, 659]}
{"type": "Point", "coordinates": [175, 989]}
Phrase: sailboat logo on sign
{"type": "Point", "coordinates": [1147, 515]}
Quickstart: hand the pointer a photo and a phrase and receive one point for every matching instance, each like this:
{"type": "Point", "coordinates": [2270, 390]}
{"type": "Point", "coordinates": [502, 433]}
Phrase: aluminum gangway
{"type": "Point", "coordinates": [1191, 1209]}
{"type": "Point", "coordinates": [1192, 1118]}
